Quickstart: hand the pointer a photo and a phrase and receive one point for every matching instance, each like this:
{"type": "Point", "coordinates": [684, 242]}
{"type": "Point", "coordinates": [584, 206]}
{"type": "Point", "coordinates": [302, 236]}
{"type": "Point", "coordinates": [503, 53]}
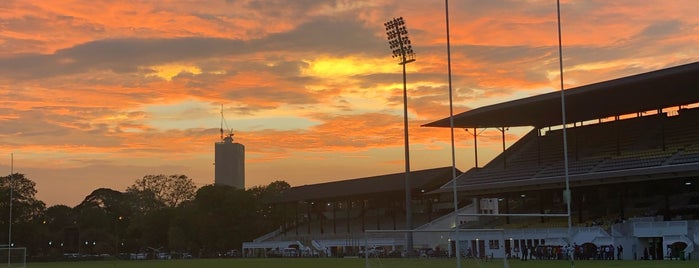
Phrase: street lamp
{"type": "Point", "coordinates": [399, 43]}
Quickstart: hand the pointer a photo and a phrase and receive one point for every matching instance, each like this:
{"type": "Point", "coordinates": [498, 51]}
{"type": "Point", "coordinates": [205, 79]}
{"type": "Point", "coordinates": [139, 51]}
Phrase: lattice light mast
{"type": "Point", "coordinates": [402, 50]}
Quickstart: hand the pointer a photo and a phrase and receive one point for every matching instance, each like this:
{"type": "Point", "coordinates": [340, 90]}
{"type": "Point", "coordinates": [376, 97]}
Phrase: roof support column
{"type": "Point", "coordinates": [618, 135]}
{"type": "Point", "coordinates": [504, 156]}
{"type": "Point", "coordinates": [663, 139]}
{"type": "Point", "coordinates": [320, 215]}
{"type": "Point", "coordinates": [475, 145]}
{"type": "Point", "coordinates": [538, 146]}
{"type": "Point", "coordinates": [308, 215]}
{"type": "Point", "coordinates": [378, 215]}
{"type": "Point", "coordinates": [507, 207]}
{"type": "Point", "coordinates": [394, 211]}
{"type": "Point", "coordinates": [349, 207]}
{"type": "Point", "coordinates": [334, 217]}
{"type": "Point", "coordinates": [623, 194]}
{"type": "Point", "coordinates": [576, 145]}
{"type": "Point", "coordinates": [363, 214]}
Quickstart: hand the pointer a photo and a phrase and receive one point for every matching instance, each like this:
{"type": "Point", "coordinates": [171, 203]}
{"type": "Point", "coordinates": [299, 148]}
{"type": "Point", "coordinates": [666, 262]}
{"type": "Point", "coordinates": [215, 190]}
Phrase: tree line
{"type": "Point", "coordinates": [158, 213]}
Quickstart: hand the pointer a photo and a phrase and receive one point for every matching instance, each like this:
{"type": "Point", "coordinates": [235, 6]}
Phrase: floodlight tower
{"type": "Point", "coordinates": [402, 50]}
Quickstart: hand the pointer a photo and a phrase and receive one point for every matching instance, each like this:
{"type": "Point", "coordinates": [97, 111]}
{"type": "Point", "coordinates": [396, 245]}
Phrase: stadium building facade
{"type": "Point", "coordinates": [632, 164]}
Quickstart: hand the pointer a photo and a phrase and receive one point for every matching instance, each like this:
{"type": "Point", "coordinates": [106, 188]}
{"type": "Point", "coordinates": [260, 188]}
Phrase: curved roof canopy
{"type": "Point", "coordinates": [664, 88]}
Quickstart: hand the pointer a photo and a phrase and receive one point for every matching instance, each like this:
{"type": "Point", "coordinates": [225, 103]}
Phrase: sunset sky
{"type": "Point", "coordinates": [100, 93]}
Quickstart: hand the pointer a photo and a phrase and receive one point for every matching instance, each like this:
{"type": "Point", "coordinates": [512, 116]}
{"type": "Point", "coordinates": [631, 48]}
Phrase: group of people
{"type": "Point", "coordinates": [604, 252]}
{"type": "Point", "coordinates": [579, 252]}
{"type": "Point", "coordinates": [607, 252]}
{"type": "Point", "coordinates": [542, 252]}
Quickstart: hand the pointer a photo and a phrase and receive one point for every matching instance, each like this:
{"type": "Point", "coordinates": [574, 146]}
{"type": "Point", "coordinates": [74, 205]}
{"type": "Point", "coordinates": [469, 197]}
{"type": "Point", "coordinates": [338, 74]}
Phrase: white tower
{"type": "Point", "coordinates": [229, 161]}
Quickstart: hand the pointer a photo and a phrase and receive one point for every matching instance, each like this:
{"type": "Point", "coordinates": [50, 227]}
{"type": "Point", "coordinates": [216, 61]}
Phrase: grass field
{"type": "Point", "coordinates": [359, 263]}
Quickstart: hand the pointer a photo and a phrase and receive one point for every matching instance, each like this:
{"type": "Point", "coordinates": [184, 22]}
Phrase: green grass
{"type": "Point", "coordinates": [359, 263]}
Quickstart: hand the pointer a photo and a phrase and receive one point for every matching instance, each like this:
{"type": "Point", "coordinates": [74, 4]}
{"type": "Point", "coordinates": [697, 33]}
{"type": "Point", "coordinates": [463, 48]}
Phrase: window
{"type": "Point", "coordinates": [494, 244]}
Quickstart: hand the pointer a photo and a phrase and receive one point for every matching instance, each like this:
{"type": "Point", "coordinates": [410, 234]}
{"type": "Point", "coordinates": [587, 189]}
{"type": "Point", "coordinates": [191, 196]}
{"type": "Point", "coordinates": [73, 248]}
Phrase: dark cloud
{"type": "Point", "coordinates": [42, 127]}
{"type": "Point", "coordinates": [273, 95]}
{"type": "Point", "coordinates": [118, 55]}
{"type": "Point", "coordinates": [283, 8]}
{"type": "Point", "coordinates": [662, 29]}
{"type": "Point", "coordinates": [323, 36]}
{"type": "Point", "coordinates": [327, 36]}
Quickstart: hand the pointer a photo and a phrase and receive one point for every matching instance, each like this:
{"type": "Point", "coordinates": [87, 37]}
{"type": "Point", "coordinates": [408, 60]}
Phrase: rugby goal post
{"type": "Point", "coordinates": [13, 257]}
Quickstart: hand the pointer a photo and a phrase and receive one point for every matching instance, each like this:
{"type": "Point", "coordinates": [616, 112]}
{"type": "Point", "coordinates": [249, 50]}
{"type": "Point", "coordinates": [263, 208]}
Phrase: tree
{"type": "Point", "coordinates": [60, 230]}
{"type": "Point", "coordinates": [103, 217]}
{"type": "Point", "coordinates": [112, 201]}
{"type": "Point", "coordinates": [268, 193]}
{"type": "Point", "coordinates": [25, 206]}
{"type": "Point", "coordinates": [169, 190]}
{"type": "Point", "coordinates": [27, 211]}
{"type": "Point", "coordinates": [223, 218]}
{"type": "Point", "coordinates": [270, 216]}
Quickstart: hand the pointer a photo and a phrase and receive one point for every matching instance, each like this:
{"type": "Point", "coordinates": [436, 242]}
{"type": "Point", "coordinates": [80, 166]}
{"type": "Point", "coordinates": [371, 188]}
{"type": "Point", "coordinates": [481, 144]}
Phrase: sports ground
{"type": "Point", "coordinates": [358, 263]}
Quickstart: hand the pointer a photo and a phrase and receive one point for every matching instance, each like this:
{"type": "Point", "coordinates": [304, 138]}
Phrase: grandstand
{"type": "Point", "coordinates": [330, 218]}
{"type": "Point", "coordinates": [633, 166]}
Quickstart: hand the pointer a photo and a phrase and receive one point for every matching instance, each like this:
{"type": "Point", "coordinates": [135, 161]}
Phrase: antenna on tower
{"type": "Point", "coordinates": [229, 131]}
{"type": "Point", "coordinates": [222, 122]}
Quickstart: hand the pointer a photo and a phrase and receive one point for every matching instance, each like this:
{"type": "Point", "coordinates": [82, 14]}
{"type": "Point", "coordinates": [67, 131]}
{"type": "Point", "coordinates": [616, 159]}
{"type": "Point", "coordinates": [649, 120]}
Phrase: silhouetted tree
{"type": "Point", "coordinates": [157, 211]}
{"type": "Point", "coordinates": [269, 216]}
{"type": "Point", "coordinates": [170, 190]}
{"type": "Point", "coordinates": [25, 206]}
{"type": "Point", "coordinates": [114, 202]}
{"type": "Point", "coordinates": [60, 225]}
{"type": "Point", "coordinates": [102, 220]}
{"type": "Point", "coordinates": [223, 218]}
{"type": "Point", "coordinates": [27, 211]}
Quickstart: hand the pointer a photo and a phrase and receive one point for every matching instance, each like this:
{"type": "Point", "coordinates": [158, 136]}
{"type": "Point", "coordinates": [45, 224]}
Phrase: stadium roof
{"type": "Point", "coordinates": [428, 179]}
{"type": "Point", "coordinates": [638, 93]}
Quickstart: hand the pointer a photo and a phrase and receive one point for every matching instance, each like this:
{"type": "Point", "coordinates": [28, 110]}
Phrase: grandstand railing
{"type": "Point", "coordinates": [268, 235]}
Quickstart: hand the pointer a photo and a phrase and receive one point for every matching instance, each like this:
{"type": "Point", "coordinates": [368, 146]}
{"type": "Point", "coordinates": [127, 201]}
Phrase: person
{"type": "Point", "coordinates": [516, 252]}
{"type": "Point", "coordinates": [619, 251]}
{"type": "Point", "coordinates": [525, 252]}
{"type": "Point", "coordinates": [611, 252]}
{"type": "Point", "coordinates": [645, 253]}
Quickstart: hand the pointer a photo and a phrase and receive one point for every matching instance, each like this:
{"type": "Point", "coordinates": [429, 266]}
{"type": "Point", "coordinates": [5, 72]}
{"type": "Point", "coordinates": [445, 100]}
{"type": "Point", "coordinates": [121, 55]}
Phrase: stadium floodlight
{"type": "Point", "coordinates": [400, 46]}
{"type": "Point", "coordinates": [398, 41]}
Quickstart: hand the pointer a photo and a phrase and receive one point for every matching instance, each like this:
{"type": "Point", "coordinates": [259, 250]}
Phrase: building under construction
{"type": "Point", "coordinates": [229, 161]}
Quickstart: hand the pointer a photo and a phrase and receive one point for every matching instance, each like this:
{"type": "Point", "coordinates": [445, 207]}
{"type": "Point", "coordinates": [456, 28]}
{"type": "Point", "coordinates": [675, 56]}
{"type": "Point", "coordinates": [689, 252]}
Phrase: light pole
{"type": "Point", "coordinates": [566, 193]}
{"type": "Point", "coordinates": [402, 50]}
{"type": "Point", "coordinates": [453, 153]}
{"type": "Point", "coordinates": [9, 228]}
